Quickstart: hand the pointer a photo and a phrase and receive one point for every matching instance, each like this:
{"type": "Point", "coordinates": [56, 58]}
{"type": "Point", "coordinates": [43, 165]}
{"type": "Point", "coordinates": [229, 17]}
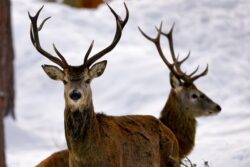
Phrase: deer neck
{"type": "Point", "coordinates": [182, 124]}
{"type": "Point", "coordinates": [81, 128]}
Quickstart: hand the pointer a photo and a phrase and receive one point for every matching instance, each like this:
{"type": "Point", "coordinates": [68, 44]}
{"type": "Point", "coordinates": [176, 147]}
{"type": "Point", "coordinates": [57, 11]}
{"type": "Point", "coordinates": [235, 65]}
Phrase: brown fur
{"type": "Point", "coordinates": [58, 159]}
{"type": "Point", "coordinates": [90, 3]}
{"type": "Point", "coordinates": [173, 116]}
{"type": "Point", "coordinates": [95, 140]}
{"type": "Point", "coordinates": [185, 103]}
{"type": "Point", "coordinates": [86, 129]}
{"type": "Point", "coordinates": [182, 124]}
{"type": "Point", "coordinates": [100, 140]}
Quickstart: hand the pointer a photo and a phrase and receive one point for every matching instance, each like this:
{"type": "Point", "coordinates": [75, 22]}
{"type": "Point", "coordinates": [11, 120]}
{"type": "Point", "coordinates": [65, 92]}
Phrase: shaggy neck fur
{"type": "Point", "coordinates": [81, 127]}
{"type": "Point", "coordinates": [183, 125]}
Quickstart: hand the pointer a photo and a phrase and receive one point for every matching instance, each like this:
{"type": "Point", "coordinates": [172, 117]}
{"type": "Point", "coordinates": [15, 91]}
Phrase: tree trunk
{"type": "Point", "coordinates": [6, 72]}
{"type": "Point", "coordinates": [2, 153]}
{"type": "Point", "coordinates": [6, 61]}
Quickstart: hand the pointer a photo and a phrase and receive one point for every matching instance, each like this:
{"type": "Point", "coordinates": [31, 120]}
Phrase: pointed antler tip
{"type": "Point", "coordinates": [173, 25]}
{"type": "Point", "coordinates": [119, 27]}
{"type": "Point", "coordinates": [172, 28]}
{"type": "Point", "coordinates": [207, 67]}
{"type": "Point", "coordinates": [140, 30]}
{"type": "Point", "coordinates": [124, 3]}
{"type": "Point", "coordinates": [29, 14]}
{"type": "Point", "coordinates": [205, 71]}
{"type": "Point", "coordinates": [161, 23]}
{"type": "Point", "coordinates": [40, 9]}
{"type": "Point", "coordinates": [156, 28]}
{"type": "Point", "coordinates": [160, 27]}
{"type": "Point", "coordinates": [127, 14]}
{"type": "Point", "coordinates": [109, 7]}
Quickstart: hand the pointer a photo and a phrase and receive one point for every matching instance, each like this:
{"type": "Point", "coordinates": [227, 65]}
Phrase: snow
{"type": "Point", "coordinates": [136, 80]}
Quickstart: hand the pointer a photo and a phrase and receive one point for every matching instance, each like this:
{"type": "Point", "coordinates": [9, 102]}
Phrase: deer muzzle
{"type": "Point", "coordinates": [75, 95]}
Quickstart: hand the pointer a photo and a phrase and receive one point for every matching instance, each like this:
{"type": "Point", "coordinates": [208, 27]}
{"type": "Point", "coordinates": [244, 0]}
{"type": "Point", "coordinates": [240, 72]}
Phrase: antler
{"type": "Point", "coordinates": [34, 35]}
{"type": "Point", "coordinates": [119, 27]}
{"type": "Point", "coordinates": [174, 67]}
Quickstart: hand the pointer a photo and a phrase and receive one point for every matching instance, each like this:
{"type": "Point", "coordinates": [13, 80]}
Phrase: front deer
{"type": "Point", "coordinates": [95, 139]}
{"type": "Point", "coordinates": [185, 101]}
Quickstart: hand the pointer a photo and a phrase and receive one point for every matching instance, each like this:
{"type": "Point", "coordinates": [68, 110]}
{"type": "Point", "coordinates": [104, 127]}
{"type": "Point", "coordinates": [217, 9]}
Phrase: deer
{"type": "Point", "coordinates": [185, 102]}
{"type": "Point", "coordinates": [95, 139]}
{"type": "Point", "coordinates": [57, 159]}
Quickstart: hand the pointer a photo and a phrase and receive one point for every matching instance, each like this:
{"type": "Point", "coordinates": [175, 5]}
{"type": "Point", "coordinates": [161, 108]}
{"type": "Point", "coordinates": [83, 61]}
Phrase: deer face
{"type": "Point", "coordinates": [193, 101]}
{"type": "Point", "coordinates": [76, 79]}
{"type": "Point", "coordinates": [188, 97]}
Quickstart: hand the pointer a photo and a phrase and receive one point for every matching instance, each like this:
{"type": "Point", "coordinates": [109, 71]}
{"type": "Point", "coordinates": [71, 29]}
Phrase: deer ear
{"type": "Point", "coordinates": [53, 72]}
{"type": "Point", "coordinates": [97, 69]}
{"type": "Point", "coordinates": [175, 83]}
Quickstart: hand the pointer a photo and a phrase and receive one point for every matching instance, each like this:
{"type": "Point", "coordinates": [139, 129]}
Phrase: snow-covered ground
{"type": "Point", "coordinates": [136, 80]}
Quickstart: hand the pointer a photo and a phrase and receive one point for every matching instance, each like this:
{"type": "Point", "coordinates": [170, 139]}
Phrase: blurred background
{"type": "Point", "coordinates": [136, 80]}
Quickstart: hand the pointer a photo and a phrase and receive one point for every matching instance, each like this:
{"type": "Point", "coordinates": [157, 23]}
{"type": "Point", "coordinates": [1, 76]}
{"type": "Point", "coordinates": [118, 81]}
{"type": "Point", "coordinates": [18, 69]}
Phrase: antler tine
{"type": "Point", "coordinates": [158, 46]}
{"type": "Point", "coordinates": [175, 68]}
{"type": "Point", "coordinates": [122, 23]}
{"type": "Point", "coordinates": [200, 75]}
{"type": "Point", "coordinates": [156, 41]}
{"type": "Point", "coordinates": [34, 29]}
{"type": "Point", "coordinates": [185, 58]}
{"type": "Point", "coordinates": [177, 64]}
{"type": "Point", "coordinates": [41, 25]}
{"type": "Point", "coordinates": [60, 55]}
{"type": "Point", "coordinates": [119, 27]}
{"type": "Point", "coordinates": [170, 41]}
{"type": "Point", "coordinates": [88, 53]}
{"type": "Point", "coordinates": [127, 15]}
{"type": "Point", "coordinates": [197, 68]}
{"type": "Point", "coordinates": [169, 36]}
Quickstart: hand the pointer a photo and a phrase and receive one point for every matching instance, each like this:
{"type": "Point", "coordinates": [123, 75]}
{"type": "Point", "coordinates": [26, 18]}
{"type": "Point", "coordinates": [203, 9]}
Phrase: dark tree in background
{"type": "Point", "coordinates": [84, 3]}
{"type": "Point", "coordinates": [6, 72]}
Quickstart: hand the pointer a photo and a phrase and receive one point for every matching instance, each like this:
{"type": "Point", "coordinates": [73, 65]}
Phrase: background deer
{"type": "Point", "coordinates": [58, 159]}
{"type": "Point", "coordinates": [185, 101]}
{"type": "Point", "coordinates": [100, 140]}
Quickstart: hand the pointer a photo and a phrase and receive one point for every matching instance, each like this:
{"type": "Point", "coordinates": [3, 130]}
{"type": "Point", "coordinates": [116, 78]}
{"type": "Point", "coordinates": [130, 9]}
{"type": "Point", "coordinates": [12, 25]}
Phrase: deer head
{"type": "Point", "coordinates": [76, 79]}
{"type": "Point", "coordinates": [193, 101]}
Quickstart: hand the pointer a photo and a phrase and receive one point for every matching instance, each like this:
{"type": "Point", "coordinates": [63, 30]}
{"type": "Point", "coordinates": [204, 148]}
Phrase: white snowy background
{"type": "Point", "coordinates": [136, 80]}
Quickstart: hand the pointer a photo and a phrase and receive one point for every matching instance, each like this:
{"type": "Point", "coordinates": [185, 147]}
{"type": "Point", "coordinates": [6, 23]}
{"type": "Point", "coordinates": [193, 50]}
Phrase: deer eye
{"type": "Point", "coordinates": [202, 96]}
{"type": "Point", "coordinates": [194, 96]}
{"type": "Point", "coordinates": [65, 82]}
{"type": "Point", "coordinates": [87, 81]}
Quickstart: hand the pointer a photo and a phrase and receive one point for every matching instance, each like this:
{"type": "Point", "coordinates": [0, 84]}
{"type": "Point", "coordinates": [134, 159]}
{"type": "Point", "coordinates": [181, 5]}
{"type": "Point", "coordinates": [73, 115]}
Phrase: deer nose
{"type": "Point", "coordinates": [75, 95]}
{"type": "Point", "coordinates": [218, 108]}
